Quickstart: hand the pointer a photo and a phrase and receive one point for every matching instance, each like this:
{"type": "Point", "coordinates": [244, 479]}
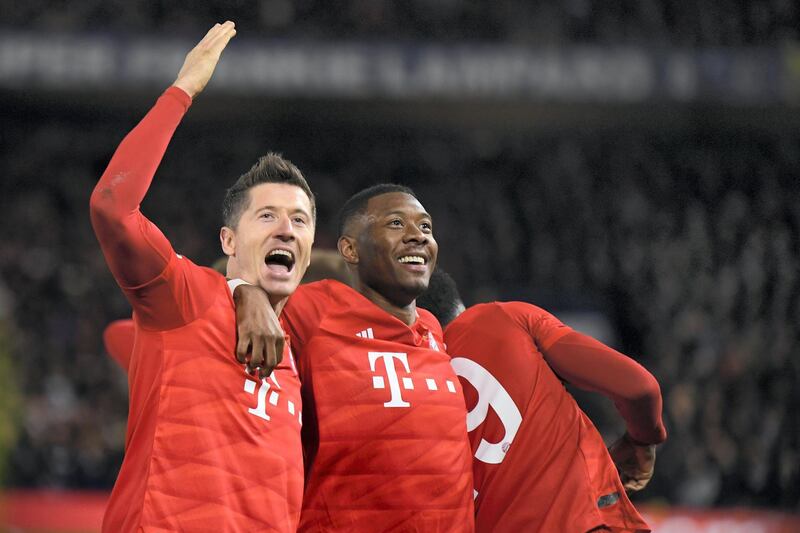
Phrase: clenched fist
{"type": "Point", "coordinates": [635, 462]}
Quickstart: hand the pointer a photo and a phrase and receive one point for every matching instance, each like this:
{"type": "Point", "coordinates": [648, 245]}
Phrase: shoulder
{"type": "Point", "coordinates": [499, 315]}
{"type": "Point", "coordinates": [524, 310]}
{"type": "Point", "coordinates": [318, 291]}
{"type": "Point", "coordinates": [311, 303]}
{"type": "Point", "coordinates": [480, 313]}
{"type": "Point", "coordinates": [200, 277]}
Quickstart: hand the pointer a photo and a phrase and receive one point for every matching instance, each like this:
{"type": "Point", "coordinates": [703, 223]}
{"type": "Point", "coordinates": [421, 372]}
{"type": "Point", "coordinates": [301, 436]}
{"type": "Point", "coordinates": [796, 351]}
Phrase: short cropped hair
{"type": "Point", "coordinates": [270, 168]}
{"type": "Point", "coordinates": [357, 204]}
{"type": "Point", "coordinates": [441, 298]}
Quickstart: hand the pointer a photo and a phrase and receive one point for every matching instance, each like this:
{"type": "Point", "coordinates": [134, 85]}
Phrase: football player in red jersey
{"type": "Point", "coordinates": [208, 448]}
{"type": "Point", "coordinates": [384, 418]}
{"type": "Point", "coordinates": [539, 463]}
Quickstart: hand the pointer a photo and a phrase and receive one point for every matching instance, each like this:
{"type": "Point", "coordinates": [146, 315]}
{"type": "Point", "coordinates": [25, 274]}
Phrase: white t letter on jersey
{"type": "Point", "coordinates": [391, 374]}
{"type": "Point", "coordinates": [490, 394]}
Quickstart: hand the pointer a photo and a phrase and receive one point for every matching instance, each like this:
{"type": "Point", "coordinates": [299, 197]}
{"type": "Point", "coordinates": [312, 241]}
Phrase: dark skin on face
{"type": "Point", "coordinates": [391, 253]}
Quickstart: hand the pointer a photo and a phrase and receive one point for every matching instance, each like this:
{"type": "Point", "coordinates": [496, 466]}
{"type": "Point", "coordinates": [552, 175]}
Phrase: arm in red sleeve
{"type": "Point", "coordinates": [591, 365]}
{"type": "Point", "coordinates": [135, 250]}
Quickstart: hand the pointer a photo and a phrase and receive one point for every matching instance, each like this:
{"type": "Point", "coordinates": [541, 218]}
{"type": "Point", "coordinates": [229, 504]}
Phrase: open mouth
{"type": "Point", "coordinates": [413, 260]}
{"type": "Point", "coordinates": [280, 261]}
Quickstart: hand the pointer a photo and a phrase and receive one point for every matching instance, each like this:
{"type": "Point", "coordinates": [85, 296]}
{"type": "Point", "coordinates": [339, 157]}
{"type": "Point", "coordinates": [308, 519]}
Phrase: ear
{"type": "Point", "coordinates": [308, 264]}
{"type": "Point", "coordinates": [348, 249]}
{"type": "Point", "coordinates": [227, 239]}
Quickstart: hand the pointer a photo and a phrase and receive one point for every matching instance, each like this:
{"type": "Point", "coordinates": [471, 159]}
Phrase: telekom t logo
{"type": "Point", "coordinates": [378, 382]}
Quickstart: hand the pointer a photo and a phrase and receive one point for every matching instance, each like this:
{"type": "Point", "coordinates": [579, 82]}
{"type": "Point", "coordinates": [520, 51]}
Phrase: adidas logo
{"type": "Point", "coordinates": [366, 334]}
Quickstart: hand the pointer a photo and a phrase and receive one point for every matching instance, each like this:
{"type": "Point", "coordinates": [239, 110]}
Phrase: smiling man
{"type": "Point", "coordinates": [384, 415]}
{"type": "Point", "coordinates": [208, 448]}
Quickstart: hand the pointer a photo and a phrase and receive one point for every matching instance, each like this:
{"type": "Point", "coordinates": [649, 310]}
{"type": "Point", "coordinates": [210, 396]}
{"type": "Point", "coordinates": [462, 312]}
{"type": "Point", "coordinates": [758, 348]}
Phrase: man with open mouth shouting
{"type": "Point", "coordinates": [208, 447]}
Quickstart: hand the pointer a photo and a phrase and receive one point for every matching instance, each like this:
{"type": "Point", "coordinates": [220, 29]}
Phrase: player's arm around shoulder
{"type": "Point", "coordinates": [260, 336]}
{"type": "Point", "coordinates": [260, 332]}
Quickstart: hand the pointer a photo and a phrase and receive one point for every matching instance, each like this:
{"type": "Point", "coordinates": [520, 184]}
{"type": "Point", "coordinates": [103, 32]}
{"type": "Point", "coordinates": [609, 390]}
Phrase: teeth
{"type": "Point", "coordinates": [280, 252]}
{"type": "Point", "coordinates": [412, 259]}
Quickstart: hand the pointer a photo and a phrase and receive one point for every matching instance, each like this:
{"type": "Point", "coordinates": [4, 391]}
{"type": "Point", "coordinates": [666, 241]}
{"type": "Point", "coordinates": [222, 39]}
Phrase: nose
{"type": "Point", "coordinates": [284, 229]}
{"type": "Point", "coordinates": [415, 234]}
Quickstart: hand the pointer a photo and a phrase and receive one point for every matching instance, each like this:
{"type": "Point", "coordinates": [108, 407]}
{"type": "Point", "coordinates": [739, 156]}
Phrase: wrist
{"type": "Point", "coordinates": [627, 436]}
{"type": "Point", "coordinates": [233, 283]}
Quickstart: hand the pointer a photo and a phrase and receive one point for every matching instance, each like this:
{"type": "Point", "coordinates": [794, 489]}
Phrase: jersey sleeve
{"type": "Point", "coordinates": [591, 365]}
{"type": "Point", "coordinates": [118, 340]}
{"type": "Point", "coordinates": [139, 256]}
{"type": "Point", "coordinates": [304, 312]}
{"type": "Point", "coordinates": [544, 328]}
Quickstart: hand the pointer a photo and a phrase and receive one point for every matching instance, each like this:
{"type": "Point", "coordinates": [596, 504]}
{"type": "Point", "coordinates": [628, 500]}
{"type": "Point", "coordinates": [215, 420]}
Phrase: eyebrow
{"type": "Point", "coordinates": [403, 213]}
{"type": "Point", "coordinates": [276, 208]}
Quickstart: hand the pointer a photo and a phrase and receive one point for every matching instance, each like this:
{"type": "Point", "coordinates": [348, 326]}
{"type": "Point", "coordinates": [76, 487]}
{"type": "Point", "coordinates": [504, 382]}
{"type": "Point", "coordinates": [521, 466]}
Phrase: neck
{"type": "Point", "coordinates": [277, 303]}
{"type": "Point", "coordinates": [406, 313]}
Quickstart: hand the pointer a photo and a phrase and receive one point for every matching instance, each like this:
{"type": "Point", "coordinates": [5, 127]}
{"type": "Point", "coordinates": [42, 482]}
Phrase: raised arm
{"type": "Point", "coordinates": [136, 251]}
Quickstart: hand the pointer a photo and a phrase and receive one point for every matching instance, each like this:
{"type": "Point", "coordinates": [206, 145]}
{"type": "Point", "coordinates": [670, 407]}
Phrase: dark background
{"type": "Point", "coordinates": [669, 227]}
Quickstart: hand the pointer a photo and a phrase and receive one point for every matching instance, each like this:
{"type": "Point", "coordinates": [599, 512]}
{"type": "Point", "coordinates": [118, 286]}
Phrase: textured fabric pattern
{"type": "Point", "coordinates": [386, 441]}
{"type": "Point", "coordinates": [207, 447]}
{"type": "Point", "coordinates": [540, 464]}
{"type": "Point", "coordinates": [197, 457]}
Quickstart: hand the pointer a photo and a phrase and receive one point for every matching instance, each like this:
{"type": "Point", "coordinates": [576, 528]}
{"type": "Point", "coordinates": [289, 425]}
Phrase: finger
{"type": "Point", "coordinates": [271, 358]}
{"type": "Point", "coordinates": [269, 362]}
{"type": "Point", "coordinates": [280, 346]}
{"type": "Point", "coordinates": [221, 40]}
{"type": "Point", "coordinates": [634, 486]}
{"type": "Point", "coordinates": [223, 31]}
{"type": "Point", "coordinates": [209, 34]}
{"type": "Point", "coordinates": [242, 347]}
{"type": "Point", "coordinates": [257, 354]}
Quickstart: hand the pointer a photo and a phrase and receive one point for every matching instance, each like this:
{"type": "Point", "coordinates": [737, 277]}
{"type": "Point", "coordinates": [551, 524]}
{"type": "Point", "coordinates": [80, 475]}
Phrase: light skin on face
{"type": "Point", "coordinates": [271, 244]}
{"type": "Point", "coordinates": [391, 252]}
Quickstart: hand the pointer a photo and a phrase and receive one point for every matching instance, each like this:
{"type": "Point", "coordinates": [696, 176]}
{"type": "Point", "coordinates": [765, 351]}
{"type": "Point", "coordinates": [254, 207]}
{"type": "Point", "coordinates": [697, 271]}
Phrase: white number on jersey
{"type": "Point", "coordinates": [490, 394]}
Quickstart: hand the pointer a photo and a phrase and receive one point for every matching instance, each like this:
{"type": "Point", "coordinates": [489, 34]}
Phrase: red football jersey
{"type": "Point", "coordinates": [208, 448]}
{"type": "Point", "coordinates": [384, 419]}
{"type": "Point", "coordinates": [539, 463]}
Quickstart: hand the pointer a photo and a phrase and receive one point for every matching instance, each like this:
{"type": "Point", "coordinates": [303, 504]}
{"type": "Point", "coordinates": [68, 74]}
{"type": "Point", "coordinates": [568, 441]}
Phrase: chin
{"type": "Point", "coordinates": [415, 289]}
{"type": "Point", "coordinates": [279, 289]}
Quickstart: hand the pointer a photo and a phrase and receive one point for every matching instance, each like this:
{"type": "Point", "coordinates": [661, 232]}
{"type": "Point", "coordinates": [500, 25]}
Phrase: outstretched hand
{"type": "Point", "coordinates": [200, 63]}
{"type": "Point", "coordinates": [634, 461]}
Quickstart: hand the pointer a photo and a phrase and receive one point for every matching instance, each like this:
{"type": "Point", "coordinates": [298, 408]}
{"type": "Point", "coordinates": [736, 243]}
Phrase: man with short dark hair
{"type": "Point", "coordinates": [208, 448]}
{"type": "Point", "coordinates": [539, 463]}
{"type": "Point", "coordinates": [384, 419]}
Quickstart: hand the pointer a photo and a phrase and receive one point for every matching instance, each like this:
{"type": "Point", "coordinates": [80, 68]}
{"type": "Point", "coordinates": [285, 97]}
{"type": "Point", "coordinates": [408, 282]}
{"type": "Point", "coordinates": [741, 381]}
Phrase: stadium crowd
{"type": "Point", "coordinates": [688, 240]}
{"type": "Point", "coordinates": [652, 23]}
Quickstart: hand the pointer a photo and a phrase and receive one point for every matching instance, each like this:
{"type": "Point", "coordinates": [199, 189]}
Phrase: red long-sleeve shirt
{"type": "Point", "coordinates": [208, 448]}
{"type": "Point", "coordinates": [539, 464]}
